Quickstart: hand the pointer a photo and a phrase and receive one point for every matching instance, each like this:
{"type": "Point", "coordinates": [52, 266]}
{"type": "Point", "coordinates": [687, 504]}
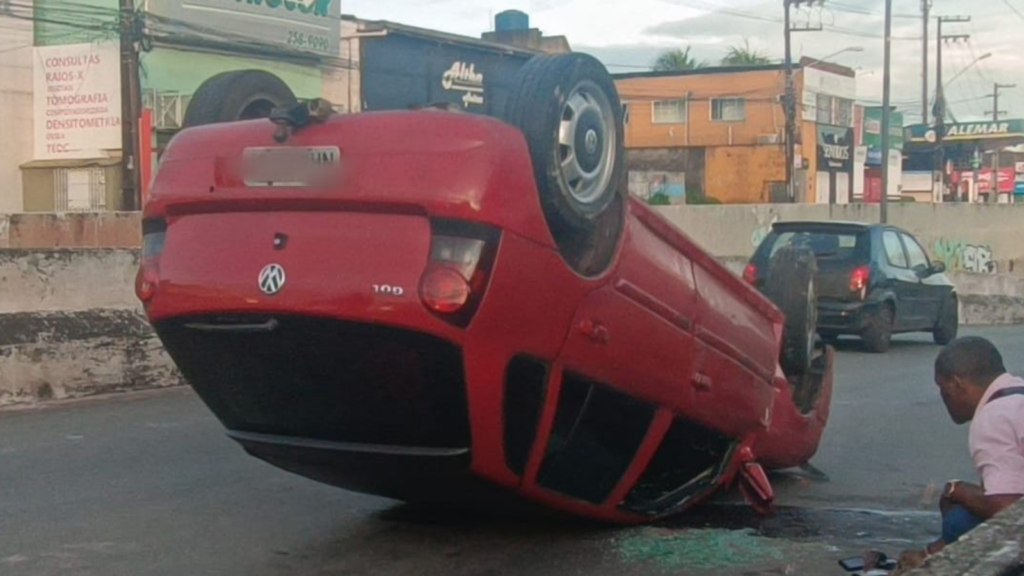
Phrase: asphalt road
{"type": "Point", "coordinates": [148, 485]}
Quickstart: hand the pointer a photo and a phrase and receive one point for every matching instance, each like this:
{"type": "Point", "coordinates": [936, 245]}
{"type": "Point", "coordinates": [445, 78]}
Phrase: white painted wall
{"type": "Point", "coordinates": [15, 107]}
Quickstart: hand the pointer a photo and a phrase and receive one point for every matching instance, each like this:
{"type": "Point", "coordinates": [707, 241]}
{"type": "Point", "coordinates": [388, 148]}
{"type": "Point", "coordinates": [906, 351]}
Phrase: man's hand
{"type": "Point", "coordinates": [973, 498]}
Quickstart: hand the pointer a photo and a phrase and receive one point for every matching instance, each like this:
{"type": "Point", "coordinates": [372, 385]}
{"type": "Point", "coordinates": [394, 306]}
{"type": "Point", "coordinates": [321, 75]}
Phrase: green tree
{"type": "Point", "coordinates": [745, 56]}
{"type": "Point", "coordinates": [676, 60]}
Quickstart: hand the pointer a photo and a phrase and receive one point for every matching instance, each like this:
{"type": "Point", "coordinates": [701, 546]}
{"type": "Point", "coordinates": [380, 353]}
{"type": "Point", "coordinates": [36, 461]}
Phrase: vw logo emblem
{"type": "Point", "coordinates": [590, 141]}
{"type": "Point", "coordinates": [271, 279]}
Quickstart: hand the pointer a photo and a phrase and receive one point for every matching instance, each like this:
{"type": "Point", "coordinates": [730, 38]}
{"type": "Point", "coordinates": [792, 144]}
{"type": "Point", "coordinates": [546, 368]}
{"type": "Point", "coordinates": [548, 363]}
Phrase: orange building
{"type": "Point", "coordinates": [719, 133]}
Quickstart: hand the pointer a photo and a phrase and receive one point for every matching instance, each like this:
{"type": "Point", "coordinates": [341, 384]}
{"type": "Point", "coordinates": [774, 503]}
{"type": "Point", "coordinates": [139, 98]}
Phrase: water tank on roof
{"type": "Point", "coordinates": [511, 20]}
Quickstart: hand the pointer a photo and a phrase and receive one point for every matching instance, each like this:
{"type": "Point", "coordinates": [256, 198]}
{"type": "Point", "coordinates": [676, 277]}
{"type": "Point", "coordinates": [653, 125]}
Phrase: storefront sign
{"type": "Point", "coordinates": [463, 77]}
{"type": "Point", "coordinates": [1006, 180]}
{"type": "Point", "coordinates": [873, 133]}
{"type": "Point", "coordinates": [969, 131]}
{"type": "Point", "coordinates": [77, 100]}
{"type": "Point", "coordinates": [302, 25]}
{"type": "Point", "coordinates": [834, 148]}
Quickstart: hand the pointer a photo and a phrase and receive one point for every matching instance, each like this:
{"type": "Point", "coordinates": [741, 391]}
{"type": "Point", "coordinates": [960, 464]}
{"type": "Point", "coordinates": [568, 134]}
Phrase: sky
{"type": "Point", "coordinates": [628, 34]}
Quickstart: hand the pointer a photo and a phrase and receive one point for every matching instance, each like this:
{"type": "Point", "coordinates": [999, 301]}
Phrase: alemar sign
{"type": "Point", "coordinates": [303, 25]}
{"type": "Point", "coordinates": [463, 77]}
{"type": "Point", "coordinates": [969, 131]}
{"type": "Point", "coordinates": [76, 100]}
{"type": "Point", "coordinates": [834, 145]}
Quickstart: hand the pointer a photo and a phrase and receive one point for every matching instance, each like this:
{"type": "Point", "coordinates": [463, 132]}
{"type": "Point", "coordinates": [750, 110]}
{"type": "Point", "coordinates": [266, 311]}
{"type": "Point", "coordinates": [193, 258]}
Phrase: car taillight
{"type": "Point", "coordinates": [444, 290]}
{"type": "Point", "coordinates": [860, 278]}
{"type": "Point", "coordinates": [750, 274]}
{"type": "Point", "coordinates": [154, 233]}
{"type": "Point", "coordinates": [461, 257]}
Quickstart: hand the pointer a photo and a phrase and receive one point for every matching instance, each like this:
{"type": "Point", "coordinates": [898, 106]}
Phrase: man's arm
{"type": "Point", "coordinates": [973, 498]}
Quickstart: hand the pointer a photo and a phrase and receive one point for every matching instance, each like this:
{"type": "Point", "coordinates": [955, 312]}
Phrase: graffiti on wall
{"type": "Point", "coordinates": [762, 232]}
{"type": "Point", "coordinates": [658, 187]}
{"type": "Point", "coordinates": [962, 256]}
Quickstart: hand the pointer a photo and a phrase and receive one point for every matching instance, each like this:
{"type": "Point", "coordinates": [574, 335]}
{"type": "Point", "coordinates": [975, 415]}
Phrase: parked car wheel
{"type": "Point", "coordinates": [791, 285]}
{"type": "Point", "coordinates": [237, 95]}
{"type": "Point", "coordinates": [949, 322]}
{"type": "Point", "coordinates": [569, 110]}
{"type": "Point", "coordinates": [878, 335]}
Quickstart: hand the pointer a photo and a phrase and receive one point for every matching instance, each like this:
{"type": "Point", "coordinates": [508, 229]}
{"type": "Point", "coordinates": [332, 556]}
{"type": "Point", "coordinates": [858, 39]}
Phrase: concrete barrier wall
{"type": "Point", "coordinates": [71, 230]}
{"type": "Point", "coordinates": [70, 327]}
{"type": "Point", "coordinates": [966, 237]}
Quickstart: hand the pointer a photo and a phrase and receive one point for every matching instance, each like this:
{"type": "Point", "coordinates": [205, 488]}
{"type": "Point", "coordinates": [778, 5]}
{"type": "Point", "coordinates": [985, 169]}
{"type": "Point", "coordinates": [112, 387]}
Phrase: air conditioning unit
{"type": "Point", "coordinates": [764, 139]}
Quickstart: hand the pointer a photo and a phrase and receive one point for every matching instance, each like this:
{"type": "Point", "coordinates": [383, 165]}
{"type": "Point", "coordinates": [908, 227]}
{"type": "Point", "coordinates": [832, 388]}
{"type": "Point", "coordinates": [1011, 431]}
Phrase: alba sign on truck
{"type": "Point", "coordinates": [304, 25]}
{"type": "Point", "coordinates": [77, 100]}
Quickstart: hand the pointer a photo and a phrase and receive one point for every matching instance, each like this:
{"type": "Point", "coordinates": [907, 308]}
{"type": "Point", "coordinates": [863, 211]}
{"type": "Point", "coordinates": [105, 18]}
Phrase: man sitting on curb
{"type": "Point", "coordinates": [976, 388]}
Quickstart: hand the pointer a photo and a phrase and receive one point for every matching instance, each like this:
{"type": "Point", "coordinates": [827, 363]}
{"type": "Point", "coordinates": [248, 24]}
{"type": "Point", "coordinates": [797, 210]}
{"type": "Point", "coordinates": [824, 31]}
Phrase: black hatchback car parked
{"type": "Point", "coordinates": [873, 281]}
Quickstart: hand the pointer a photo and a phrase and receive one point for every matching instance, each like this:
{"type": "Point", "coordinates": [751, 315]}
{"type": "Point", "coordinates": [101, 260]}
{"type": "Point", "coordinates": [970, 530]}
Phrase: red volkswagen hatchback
{"type": "Point", "coordinates": [437, 306]}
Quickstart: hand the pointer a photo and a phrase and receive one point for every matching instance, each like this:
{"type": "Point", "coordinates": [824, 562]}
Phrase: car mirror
{"type": "Point", "coordinates": [937, 268]}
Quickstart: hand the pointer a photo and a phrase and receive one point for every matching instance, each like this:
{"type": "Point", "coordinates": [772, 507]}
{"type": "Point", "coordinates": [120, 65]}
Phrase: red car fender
{"type": "Point", "coordinates": [792, 437]}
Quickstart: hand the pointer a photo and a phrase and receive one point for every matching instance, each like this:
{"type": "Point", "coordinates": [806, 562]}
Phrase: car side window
{"type": "Point", "coordinates": [918, 258]}
{"type": "Point", "coordinates": [894, 249]}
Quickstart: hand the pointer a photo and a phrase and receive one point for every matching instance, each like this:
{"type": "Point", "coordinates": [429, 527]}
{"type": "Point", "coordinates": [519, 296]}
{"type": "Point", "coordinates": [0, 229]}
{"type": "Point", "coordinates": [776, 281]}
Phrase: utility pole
{"type": "Point", "coordinates": [131, 105]}
{"type": "Point", "coordinates": [993, 195]}
{"type": "Point", "coordinates": [926, 11]}
{"type": "Point", "coordinates": [886, 111]}
{"type": "Point", "coordinates": [790, 96]}
{"type": "Point", "coordinates": [940, 94]}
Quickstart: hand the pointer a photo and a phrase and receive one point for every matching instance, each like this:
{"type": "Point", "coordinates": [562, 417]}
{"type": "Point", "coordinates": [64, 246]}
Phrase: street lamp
{"type": "Point", "coordinates": [966, 68]}
{"type": "Point", "coordinates": [834, 54]}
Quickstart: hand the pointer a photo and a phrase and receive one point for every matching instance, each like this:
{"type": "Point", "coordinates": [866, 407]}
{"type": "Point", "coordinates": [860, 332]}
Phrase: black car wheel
{"type": "Point", "coordinates": [878, 335]}
{"type": "Point", "coordinates": [949, 322]}
{"type": "Point", "coordinates": [569, 110]}
{"type": "Point", "coordinates": [791, 285]}
{"type": "Point", "coordinates": [237, 95]}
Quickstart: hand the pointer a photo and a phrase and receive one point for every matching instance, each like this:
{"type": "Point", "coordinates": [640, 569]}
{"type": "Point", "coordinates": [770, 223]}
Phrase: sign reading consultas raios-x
{"type": "Point", "coordinates": [305, 25]}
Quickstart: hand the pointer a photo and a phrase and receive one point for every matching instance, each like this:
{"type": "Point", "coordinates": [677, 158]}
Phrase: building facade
{"type": "Point", "coordinates": [722, 133]}
{"type": "Point", "coordinates": [16, 114]}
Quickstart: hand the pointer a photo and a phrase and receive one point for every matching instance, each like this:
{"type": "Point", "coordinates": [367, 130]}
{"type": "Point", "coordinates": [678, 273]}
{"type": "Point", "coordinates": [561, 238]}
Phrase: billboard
{"type": "Point", "coordinates": [76, 100]}
{"type": "Point", "coordinates": [872, 137]}
{"type": "Point", "coordinates": [312, 26]}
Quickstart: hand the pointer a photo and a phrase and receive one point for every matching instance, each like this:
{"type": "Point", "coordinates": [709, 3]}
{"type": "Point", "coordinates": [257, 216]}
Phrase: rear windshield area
{"type": "Point", "coordinates": [845, 246]}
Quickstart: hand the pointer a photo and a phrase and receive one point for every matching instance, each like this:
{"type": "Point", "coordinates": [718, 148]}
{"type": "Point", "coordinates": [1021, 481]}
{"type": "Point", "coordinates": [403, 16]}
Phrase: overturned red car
{"type": "Point", "coordinates": [440, 307]}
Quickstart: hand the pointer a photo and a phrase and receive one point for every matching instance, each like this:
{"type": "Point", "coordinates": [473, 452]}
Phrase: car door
{"type": "Point", "coordinates": [905, 283]}
{"type": "Point", "coordinates": [929, 294]}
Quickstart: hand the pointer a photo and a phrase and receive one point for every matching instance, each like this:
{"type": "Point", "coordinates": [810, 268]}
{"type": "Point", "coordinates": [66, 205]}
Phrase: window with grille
{"type": "Point", "coordinates": [79, 189]}
{"type": "Point", "coordinates": [728, 109]}
{"type": "Point", "coordinates": [669, 112]}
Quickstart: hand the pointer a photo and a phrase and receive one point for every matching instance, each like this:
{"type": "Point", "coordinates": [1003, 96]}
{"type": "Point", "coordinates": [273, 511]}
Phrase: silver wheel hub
{"type": "Point", "coordinates": [587, 141]}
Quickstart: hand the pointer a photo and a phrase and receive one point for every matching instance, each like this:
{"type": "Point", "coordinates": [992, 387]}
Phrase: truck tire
{"type": "Point", "coordinates": [237, 95]}
{"type": "Point", "coordinates": [792, 286]}
{"type": "Point", "coordinates": [569, 110]}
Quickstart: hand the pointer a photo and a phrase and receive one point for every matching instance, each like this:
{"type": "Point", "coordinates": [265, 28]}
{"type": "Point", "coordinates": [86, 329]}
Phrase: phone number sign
{"type": "Point", "coordinates": [305, 25]}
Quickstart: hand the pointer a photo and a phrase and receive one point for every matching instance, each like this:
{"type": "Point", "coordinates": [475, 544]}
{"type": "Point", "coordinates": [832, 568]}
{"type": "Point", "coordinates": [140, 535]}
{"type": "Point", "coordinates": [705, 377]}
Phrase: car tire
{"type": "Point", "coordinates": [878, 335]}
{"type": "Point", "coordinates": [792, 286]}
{"type": "Point", "coordinates": [569, 110]}
{"type": "Point", "coordinates": [949, 322]}
{"type": "Point", "coordinates": [237, 95]}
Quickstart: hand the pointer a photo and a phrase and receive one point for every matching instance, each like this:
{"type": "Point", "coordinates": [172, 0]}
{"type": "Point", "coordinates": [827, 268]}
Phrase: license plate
{"type": "Point", "coordinates": [290, 167]}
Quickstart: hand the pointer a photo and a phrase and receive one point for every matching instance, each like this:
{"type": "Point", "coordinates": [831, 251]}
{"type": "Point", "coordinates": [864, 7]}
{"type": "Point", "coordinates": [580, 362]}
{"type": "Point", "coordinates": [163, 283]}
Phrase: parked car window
{"type": "Point", "coordinates": [894, 250]}
{"type": "Point", "coordinates": [826, 245]}
{"type": "Point", "coordinates": [918, 258]}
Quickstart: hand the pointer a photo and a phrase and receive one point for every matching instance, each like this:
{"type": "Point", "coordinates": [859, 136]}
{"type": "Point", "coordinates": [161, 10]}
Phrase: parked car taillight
{"type": "Point", "coordinates": [461, 258]}
{"type": "Point", "coordinates": [154, 233]}
{"type": "Point", "coordinates": [750, 274]}
{"type": "Point", "coordinates": [859, 279]}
